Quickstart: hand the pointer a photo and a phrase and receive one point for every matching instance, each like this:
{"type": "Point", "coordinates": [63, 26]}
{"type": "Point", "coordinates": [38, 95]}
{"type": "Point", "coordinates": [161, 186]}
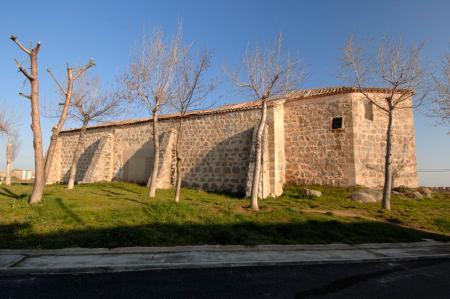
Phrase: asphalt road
{"type": "Point", "coordinates": [420, 279]}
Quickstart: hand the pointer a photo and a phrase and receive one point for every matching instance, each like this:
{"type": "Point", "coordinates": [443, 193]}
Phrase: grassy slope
{"type": "Point", "coordinates": [118, 214]}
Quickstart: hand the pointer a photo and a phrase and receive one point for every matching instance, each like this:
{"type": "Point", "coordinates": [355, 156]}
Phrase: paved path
{"type": "Point", "coordinates": [77, 260]}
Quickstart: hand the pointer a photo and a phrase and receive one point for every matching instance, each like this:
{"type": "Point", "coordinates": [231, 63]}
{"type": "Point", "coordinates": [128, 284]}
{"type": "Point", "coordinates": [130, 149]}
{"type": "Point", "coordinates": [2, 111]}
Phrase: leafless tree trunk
{"type": "Point", "coordinates": [258, 146]}
{"type": "Point", "coordinates": [67, 93]}
{"type": "Point", "coordinates": [268, 72]}
{"type": "Point", "coordinates": [400, 72]}
{"type": "Point", "coordinates": [386, 202]}
{"type": "Point", "coordinates": [156, 148]}
{"type": "Point", "coordinates": [178, 162]}
{"type": "Point", "coordinates": [8, 164]}
{"type": "Point", "coordinates": [149, 81]}
{"type": "Point", "coordinates": [76, 155]}
{"type": "Point", "coordinates": [39, 181]}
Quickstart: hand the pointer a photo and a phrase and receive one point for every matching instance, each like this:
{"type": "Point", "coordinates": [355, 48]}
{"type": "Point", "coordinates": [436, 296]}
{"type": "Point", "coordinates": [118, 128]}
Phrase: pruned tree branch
{"type": "Point", "coordinates": [25, 95]}
{"type": "Point", "coordinates": [84, 68]}
{"type": "Point", "coordinates": [14, 39]}
{"type": "Point", "coordinates": [61, 89]}
{"type": "Point", "coordinates": [23, 71]}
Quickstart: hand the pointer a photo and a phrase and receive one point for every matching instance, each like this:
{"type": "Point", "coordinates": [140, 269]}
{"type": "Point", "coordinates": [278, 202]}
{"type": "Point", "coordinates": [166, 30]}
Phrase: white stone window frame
{"type": "Point", "coordinates": [342, 128]}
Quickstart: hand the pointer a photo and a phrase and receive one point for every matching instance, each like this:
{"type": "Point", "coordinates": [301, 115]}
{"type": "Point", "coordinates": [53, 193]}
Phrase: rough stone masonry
{"type": "Point", "coordinates": [327, 136]}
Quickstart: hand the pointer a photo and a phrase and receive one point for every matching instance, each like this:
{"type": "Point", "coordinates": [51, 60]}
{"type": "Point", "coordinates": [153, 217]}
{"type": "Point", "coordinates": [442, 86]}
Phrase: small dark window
{"type": "Point", "coordinates": [337, 123]}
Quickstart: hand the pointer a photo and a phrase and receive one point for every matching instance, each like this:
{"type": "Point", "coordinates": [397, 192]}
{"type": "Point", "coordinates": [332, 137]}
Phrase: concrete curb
{"type": "Point", "coordinates": [101, 260]}
{"type": "Point", "coordinates": [137, 249]}
{"type": "Point", "coordinates": [111, 269]}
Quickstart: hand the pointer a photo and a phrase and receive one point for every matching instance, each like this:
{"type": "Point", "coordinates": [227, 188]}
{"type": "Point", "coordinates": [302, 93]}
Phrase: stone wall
{"type": "Point", "coordinates": [216, 152]}
{"type": "Point", "coordinates": [370, 125]}
{"type": "Point", "coordinates": [316, 153]}
{"type": "Point", "coordinates": [301, 147]}
{"type": "Point", "coordinates": [100, 164]}
{"type": "Point", "coordinates": [92, 147]}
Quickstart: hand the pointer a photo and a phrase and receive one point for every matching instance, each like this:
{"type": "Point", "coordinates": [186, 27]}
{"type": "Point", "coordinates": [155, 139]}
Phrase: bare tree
{"type": "Point", "coordinates": [8, 164]}
{"type": "Point", "coordinates": [399, 70]}
{"type": "Point", "coordinates": [12, 149]}
{"type": "Point", "coordinates": [266, 72]}
{"type": "Point", "coordinates": [89, 104]}
{"type": "Point", "coordinates": [73, 73]}
{"type": "Point", "coordinates": [8, 126]}
{"type": "Point", "coordinates": [32, 77]}
{"type": "Point", "coordinates": [190, 92]}
{"type": "Point", "coordinates": [441, 107]}
{"type": "Point", "coordinates": [4, 122]}
{"type": "Point", "coordinates": [150, 82]}
{"type": "Point", "coordinates": [3, 126]}
{"type": "Point", "coordinates": [3, 131]}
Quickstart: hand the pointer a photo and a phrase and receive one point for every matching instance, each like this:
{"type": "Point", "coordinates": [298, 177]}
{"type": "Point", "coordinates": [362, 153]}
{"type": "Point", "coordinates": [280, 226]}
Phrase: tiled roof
{"type": "Point", "coordinates": [296, 95]}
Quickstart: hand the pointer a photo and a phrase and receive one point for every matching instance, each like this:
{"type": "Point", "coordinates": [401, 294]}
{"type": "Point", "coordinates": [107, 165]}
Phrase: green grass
{"type": "Point", "coordinates": [118, 214]}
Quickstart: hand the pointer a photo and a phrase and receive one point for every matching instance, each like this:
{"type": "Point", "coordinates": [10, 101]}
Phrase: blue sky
{"type": "Point", "coordinates": [74, 31]}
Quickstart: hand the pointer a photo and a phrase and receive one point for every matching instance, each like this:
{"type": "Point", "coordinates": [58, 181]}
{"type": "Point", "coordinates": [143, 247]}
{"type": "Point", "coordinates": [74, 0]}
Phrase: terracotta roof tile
{"type": "Point", "coordinates": [295, 95]}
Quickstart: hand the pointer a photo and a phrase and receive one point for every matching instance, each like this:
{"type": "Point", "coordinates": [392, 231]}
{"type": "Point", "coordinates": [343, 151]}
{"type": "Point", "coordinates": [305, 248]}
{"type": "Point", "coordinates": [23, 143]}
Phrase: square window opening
{"type": "Point", "coordinates": [337, 123]}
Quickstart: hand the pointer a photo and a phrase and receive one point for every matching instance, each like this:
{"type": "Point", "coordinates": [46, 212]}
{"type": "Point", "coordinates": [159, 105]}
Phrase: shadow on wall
{"type": "Point", "coordinates": [401, 164]}
{"type": "Point", "coordinates": [137, 164]}
{"type": "Point", "coordinates": [224, 168]}
{"type": "Point", "coordinates": [83, 163]}
{"type": "Point", "coordinates": [22, 235]}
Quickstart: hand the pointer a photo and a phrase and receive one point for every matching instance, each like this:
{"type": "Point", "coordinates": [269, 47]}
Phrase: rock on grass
{"type": "Point", "coordinates": [366, 196]}
{"type": "Point", "coordinates": [312, 193]}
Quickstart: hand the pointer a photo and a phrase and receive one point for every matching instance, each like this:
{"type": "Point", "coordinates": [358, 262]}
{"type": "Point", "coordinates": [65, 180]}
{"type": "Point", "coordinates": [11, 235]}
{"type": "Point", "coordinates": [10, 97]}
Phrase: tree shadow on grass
{"type": "Point", "coordinates": [69, 212]}
{"type": "Point", "coordinates": [394, 220]}
{"type": "Point", "coordinates": [136, 201]}
{"type": "Point", "coordinates": [247, 233]}
{"type": "Point", "coordinates": [124, 189]}
{"type": "Point", "coordinates": [111, 193]}
{"type": "Point", "coordinates": [8, 193]}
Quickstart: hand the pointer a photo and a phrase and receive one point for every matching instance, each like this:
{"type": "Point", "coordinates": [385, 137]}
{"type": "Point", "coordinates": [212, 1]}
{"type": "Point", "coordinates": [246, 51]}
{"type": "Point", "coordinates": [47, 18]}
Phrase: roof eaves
{"type": "Point", "coordinates": [293, 96]}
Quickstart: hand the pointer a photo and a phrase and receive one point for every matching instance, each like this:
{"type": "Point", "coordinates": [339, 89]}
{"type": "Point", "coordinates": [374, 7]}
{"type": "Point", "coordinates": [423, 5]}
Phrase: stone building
{"type": "Point", "coordinates": [329, 136]}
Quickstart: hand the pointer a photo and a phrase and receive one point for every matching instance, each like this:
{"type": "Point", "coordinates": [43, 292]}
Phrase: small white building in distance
{"type": "Point", "coordinates": [22, 174]}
